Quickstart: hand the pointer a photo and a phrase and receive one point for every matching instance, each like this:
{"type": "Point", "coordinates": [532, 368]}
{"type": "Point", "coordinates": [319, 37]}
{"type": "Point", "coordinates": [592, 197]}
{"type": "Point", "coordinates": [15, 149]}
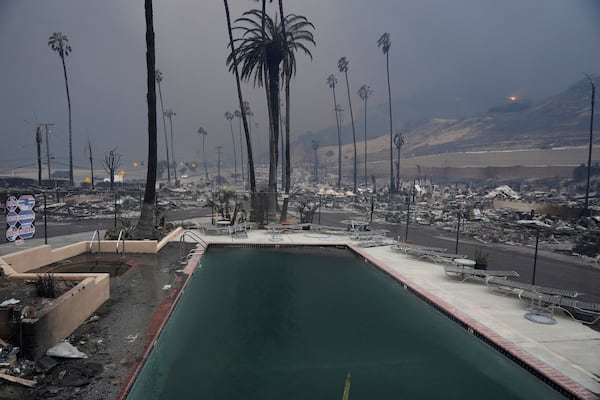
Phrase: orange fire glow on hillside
{"type": "Point", "coordinates": [512, 98]}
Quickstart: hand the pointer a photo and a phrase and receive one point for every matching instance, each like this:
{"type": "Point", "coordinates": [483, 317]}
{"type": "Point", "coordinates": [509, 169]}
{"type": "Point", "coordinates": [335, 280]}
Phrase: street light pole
{"type": "Point", "coordinates": [48, 150]}
{"type": "Point", "coordinates": [159, 78]}
{"type": "Point", "coordinates": [170, 114]}
{"type": "Point", "coordinates": [537, 241]}
{"type": "Point", "coordinates": [457, 233]}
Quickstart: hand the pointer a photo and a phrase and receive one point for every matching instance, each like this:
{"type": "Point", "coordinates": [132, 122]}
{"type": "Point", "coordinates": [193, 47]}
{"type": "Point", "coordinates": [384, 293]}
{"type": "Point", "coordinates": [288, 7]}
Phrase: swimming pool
{"type": "Point", "coordinates": [292, 322]}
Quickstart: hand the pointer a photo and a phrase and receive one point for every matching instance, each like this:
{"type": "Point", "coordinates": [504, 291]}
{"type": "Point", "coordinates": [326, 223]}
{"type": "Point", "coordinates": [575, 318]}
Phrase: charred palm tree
{"type": "Point", "coordinates": [332, 81]}
{"type": "Point", "coordinates": [267, 49]}
{"type": "Point", "coordinates": [343, 67]}
{"type": "Point", "coordinates": [234, 67]}
{"type": "Point", "coordinates": [364, 92]}
{"type": "Point", "coordinates": [145, 225]}
{"type": "Point", "coordinates": [202, 132]}
{"type": "Point", "coordinates": [60, 44]}
{"type": "Point", "coordinates": [385, 43]}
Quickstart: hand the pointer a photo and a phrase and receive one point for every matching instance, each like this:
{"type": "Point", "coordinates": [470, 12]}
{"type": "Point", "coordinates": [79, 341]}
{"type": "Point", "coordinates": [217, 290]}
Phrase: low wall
{"type": "Point", "coordinates": [30, 259]}
{"type": "Point", "coordinates": [26, 260]}
{"type": "Point", "coordinates": [59, 319]}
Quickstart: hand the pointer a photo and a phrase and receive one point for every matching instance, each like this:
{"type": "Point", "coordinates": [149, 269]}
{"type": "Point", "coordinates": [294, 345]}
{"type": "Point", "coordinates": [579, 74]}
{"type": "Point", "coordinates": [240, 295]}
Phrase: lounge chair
{"type": "Point", "coordinates": [464, 273]}
{"type": "Point", "coordinates": [434, 256]}
{"type": "Point", "coordinates": [375, 241]}
{"type": "Point", "coordinates": [239, 230]}
{"type": "Point", "coordinates": [405, 247]}
{"type": "Point", "coordinates": [583, 311]}
{"type": "Point", "coordinates": [507, 286]}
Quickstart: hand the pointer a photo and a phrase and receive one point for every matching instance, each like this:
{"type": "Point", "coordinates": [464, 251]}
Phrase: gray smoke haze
{"type": "Point", "coordinates": [446, 57]}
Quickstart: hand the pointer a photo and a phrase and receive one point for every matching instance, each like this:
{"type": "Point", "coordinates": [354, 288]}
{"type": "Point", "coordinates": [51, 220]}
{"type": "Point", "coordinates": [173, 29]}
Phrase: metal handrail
{"type": "Point", "coordinates": [121, 236]}
{"type": "Point", "coordinates": [96, 234]}
{"type": "Point", "coordinates": [194, 236]}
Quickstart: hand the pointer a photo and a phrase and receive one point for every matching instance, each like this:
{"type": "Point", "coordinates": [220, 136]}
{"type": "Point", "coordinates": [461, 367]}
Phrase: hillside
{"type": "Point", "coordinates": [558, 121]}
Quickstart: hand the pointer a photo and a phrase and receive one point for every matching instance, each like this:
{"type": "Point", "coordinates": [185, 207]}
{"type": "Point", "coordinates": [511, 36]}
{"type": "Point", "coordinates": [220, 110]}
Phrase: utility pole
{"type": "Point", "coordinates": [48, 149]}
{"type": "Point", "coordinates": [219, 152]}
{"type": "Point", "coordinates": [38, 141]}
{"type": "Point", "coordinates": [91, 162]}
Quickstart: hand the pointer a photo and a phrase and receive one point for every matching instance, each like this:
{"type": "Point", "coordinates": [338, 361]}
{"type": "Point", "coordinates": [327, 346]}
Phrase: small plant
{"type": "Point", "coordinates": [124, 225]}
{"type": "Point", "coordinates": [46, 286]}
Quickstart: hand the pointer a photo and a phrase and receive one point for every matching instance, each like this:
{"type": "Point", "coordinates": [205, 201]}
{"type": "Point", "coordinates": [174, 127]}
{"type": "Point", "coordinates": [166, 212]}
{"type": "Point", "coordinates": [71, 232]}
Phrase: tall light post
{"type": "Point", "coordinates": [202, 132]}
{"type": "Point", "coordinates": [589, 166]}
{"type": "Point", "coordinates": [332, 81]}
{"type": "Point", "coordinates": [48, 150]}
{"type": "Point", "coordinates": [364, 92]}
{"type": "Point", "coordinates": [170, 114]}
{"type": "Point", "coordinates": [229, 117]}
{"type": "Point", "coordinates": [159, 78]}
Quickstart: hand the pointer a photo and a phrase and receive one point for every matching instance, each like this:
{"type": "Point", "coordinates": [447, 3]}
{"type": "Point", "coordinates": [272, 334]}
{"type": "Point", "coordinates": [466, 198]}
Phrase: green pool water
{"type": "Point", "coordinates": [291, 323]}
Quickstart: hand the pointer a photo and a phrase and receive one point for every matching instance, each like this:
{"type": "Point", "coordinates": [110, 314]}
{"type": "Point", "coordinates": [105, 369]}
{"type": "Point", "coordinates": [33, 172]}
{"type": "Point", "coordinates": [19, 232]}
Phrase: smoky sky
{"type": "Point", "coordinates": [445, 55]}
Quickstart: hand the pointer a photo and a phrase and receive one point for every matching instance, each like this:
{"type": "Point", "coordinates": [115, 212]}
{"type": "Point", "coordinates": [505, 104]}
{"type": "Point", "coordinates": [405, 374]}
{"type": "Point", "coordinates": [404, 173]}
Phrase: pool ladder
{"type": "Point", "coordinates": [119, 239]}
{"type": "Point", "coordinates": [95, 235]}
{"type": "Point", "coordinates": [196, 238]}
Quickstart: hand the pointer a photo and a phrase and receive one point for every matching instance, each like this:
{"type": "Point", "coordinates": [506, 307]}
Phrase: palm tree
{"type": "Point", "coordinates": [364, 92]}
{"type": "Point", "coordinates": [60, 43]}
{"type": "Point", "coordinates": [385, 44]}
{"type": "Point", "coordinates": [241, 105]}
{"type": "Point", "coordinates": [202, 132]}
{"type": "Point", "coordinates": [170, 114]}
{"type": "Point", "coordinates": [145, 226]}
{"type": "Point", "coordinates": [266, 49]}
{"type": "Point", "coordinates": [159, 78]}
{"type": "Point", "coordinates": [229, 117]}
{"type": "Point", "coordinates": [398, 142]}
{"type": "Point", "coordinates": [332, 81]}
{"type": "Point", "coordinates": [343, 67]}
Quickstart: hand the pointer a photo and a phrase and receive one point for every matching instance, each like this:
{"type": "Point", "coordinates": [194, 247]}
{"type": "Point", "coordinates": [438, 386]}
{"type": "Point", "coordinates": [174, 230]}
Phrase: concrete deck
{"type": "Point", "coordinates": [568, 352]}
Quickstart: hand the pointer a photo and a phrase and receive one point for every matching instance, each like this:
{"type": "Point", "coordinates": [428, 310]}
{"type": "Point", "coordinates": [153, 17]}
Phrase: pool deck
{"type": "Point", "coordinates": [568, 352]}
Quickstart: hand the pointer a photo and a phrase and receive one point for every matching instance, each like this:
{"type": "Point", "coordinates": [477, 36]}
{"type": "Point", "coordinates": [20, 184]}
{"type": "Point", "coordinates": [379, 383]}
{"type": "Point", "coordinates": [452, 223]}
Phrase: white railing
{"type": "Point", "coordinates": [95, 235]}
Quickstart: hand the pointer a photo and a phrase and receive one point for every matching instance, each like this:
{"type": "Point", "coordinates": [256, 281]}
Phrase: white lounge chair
{"type": "Point", "coordinates": [464, 273]}
{"type": "Point", "coordinates": [583, 311]}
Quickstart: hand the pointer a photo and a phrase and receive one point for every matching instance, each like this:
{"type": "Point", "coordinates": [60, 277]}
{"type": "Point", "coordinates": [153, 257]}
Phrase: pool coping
{"type": "Point", "coordinates": [547, 374]}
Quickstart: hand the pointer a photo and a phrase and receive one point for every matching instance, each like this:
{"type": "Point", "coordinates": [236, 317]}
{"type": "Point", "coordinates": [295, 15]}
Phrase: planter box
{"type": "Point", "coordinates": [58, 319]}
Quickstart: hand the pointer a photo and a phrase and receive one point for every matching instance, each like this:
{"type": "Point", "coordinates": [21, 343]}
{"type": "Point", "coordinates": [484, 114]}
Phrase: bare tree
{"type": "Point", "coordinates": [111, 162]}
